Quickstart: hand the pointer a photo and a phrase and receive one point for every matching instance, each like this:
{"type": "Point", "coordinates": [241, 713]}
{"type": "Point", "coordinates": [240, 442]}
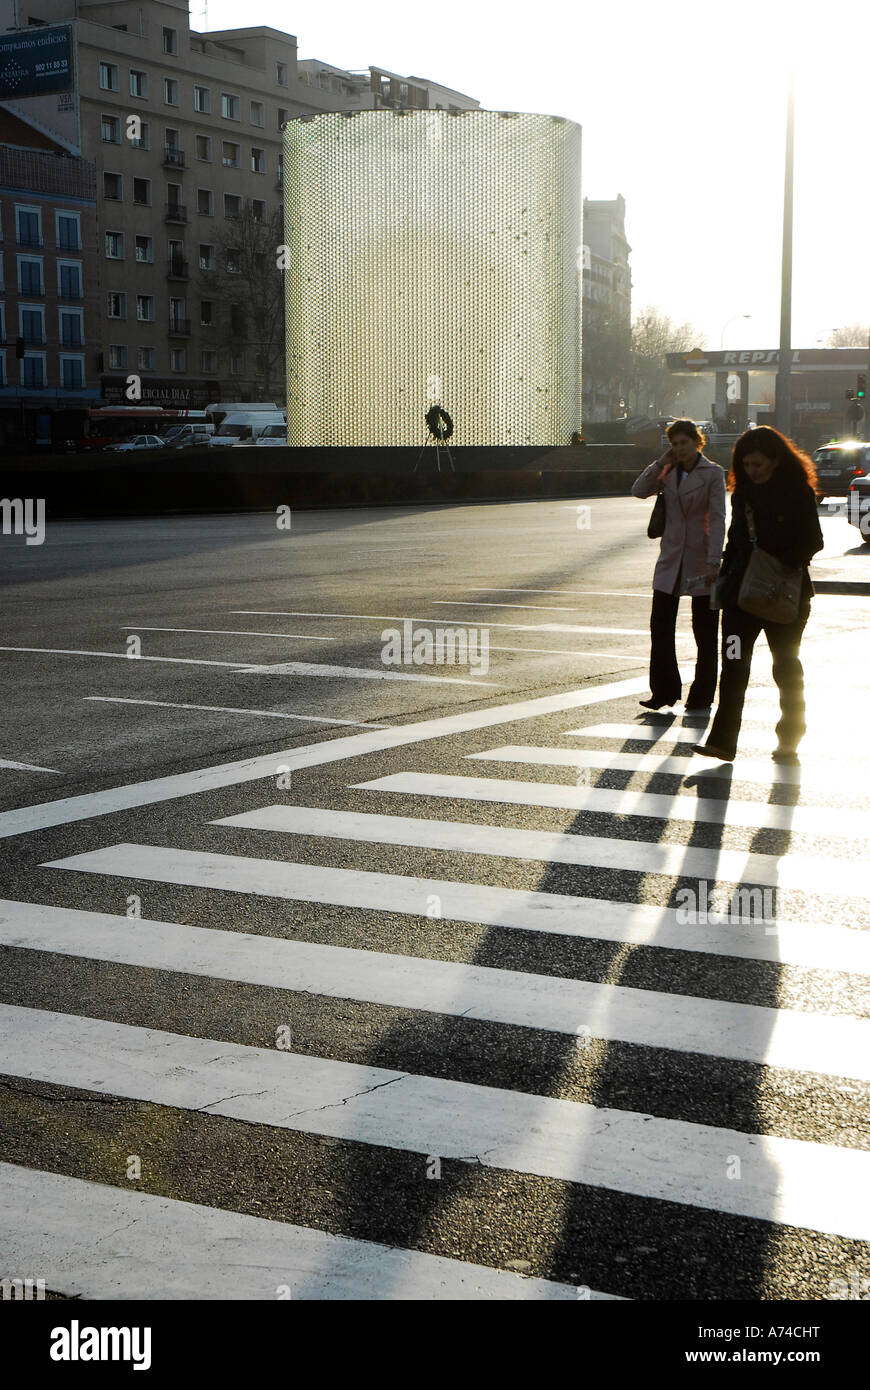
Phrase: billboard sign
{"type": "Point", "coordinates": [36, 62]}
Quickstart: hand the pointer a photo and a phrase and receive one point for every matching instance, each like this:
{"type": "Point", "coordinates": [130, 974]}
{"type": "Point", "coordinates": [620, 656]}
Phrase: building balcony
{"type": "Point", "coordinates": [33, 339]}
{"type": "Point", "coordinates": [175, 212]}
{"type": "Point", "coordinates": [66, 248]}
{"type": "Point", "coordinates": [173, 157]}
{"type": "Point", "coordinates": [74, 342]}
{"type": "Point", "coordinates": [69, 297]}
{"type": "Point", "coordinates": [177, 268]}
{"type": "Point", "coordinates": [179, 328]}
{"type": "Point", "coordinates": [29, 239]}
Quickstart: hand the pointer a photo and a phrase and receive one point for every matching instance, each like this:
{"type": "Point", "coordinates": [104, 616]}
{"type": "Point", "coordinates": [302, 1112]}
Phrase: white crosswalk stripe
{"type": "Point", "coordinates": [817, 1186]}
{"type": "Point", "coordinates": [778, 1037]}
{"type": "Point", "coordinates": [53, 1222]}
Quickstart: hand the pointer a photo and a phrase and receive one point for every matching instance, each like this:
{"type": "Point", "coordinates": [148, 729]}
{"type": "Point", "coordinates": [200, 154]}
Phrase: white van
{"type": "Point", "coordinates": [219, 410]}
{"type": "Point", "coordinates": [244, 427]}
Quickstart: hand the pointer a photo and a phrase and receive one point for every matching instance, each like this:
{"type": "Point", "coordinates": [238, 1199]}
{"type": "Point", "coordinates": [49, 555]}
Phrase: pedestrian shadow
{"type": "Point", "coordinates": [589, 1221]}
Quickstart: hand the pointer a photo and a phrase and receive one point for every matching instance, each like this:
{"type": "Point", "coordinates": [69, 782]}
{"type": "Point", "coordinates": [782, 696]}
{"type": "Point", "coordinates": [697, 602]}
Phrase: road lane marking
{"type": "Point", "coordinates": [752, 733]}
{"type": "Point", "coordinates": [459, 622]}
{"type": "Point", "coordinates": [226, 709]}
{"type": "Point", "coordinates": [741, 770]}
{"type": "Point", "coordinates": [123, 656]}
{"type": "Point", "coordinates": [571, 593]}
{"type": "Point", "coordinates": [26, 767]}
{"type": "Point", "coordinates": [836, 1045]}
{"type": "Point", "coordinates": [800, 871]}
{"type": "Point", "coordinates": [311, 668]}
{"type": "Point", "coordinates": [164, 1248]}
{"type": "Point", "coordinates": [814, 1186]}
{"type": "Point", "coordinates": [595, 919]}
{"type": "Point", "coordinates": [226, 632]}
{"type": "Point", "coordinates": [147, 793]}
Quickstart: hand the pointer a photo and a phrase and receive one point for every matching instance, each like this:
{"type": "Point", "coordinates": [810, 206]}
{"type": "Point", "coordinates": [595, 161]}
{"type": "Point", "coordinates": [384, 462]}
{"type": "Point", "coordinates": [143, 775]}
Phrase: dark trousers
{"type": "Point", "coordinates": [665, 682]}
{"type": "Point", "coordinates": [739, 631]}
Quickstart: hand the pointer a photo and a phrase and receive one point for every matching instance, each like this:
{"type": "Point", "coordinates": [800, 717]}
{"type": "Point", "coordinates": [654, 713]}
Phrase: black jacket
{"type": "Point", "coordinates": [786, 523]}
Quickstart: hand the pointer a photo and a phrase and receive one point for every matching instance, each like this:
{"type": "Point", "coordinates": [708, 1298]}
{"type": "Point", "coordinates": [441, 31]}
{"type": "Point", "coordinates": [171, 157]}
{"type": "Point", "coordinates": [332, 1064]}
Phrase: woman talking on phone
{"type": "Point", "coordinates": [693, 489]}
{"type": "Point", "coordinates": [774, 525]}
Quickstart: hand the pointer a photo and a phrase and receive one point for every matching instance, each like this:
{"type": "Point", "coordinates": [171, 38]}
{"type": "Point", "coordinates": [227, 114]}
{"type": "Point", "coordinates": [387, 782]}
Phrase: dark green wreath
{"type": "Point", "coordinates": [439, 422]}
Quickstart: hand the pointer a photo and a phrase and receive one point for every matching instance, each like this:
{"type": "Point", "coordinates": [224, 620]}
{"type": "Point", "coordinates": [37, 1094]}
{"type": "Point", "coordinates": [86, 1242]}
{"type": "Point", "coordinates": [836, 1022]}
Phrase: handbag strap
{"type": "Point", "coordinates": [750, 524]}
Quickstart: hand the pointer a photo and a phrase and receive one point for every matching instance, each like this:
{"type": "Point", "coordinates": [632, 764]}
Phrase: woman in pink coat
{"type": "Point", "coordinates": [694, 491]}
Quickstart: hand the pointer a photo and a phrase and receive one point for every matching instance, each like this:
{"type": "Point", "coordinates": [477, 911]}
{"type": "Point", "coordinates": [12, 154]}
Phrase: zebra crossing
{"type": "Point", "coordinates": [763, 1184]}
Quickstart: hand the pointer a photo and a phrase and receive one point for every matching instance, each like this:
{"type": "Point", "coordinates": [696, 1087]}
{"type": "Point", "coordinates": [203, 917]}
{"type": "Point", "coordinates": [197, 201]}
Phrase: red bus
{"type": "Point", "coordinates": [107, 424]}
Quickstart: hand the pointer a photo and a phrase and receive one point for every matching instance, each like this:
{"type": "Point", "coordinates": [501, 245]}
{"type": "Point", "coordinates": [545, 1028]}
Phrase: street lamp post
{"type": "Point", "coordinates": [725, 325]}
{"type": "Point", "coordinates": [783, 376]}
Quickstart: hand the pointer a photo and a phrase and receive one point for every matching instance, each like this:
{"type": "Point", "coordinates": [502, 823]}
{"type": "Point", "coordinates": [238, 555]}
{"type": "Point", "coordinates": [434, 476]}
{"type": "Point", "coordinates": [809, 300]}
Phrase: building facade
{"type": "Point", "coordinates": [606, 309]}
{"type": "Point", "coordinates": [49, 295]}
{"type": "Point", "coordinates": [184, 131]}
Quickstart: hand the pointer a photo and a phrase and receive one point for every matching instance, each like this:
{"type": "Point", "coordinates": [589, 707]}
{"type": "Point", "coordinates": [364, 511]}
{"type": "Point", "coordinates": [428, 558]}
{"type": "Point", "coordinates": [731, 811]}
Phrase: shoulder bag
{"type": "Point", "coordinates": [770, 590]}
{"type": "Point", "coordinates": [657, 518]}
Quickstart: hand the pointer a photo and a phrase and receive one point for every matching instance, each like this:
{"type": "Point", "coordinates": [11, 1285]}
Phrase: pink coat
{"type": "Point", "coordinates": [695, 523]}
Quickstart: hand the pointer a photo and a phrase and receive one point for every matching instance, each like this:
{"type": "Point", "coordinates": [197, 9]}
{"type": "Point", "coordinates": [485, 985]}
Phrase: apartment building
{"type": "Point", "coordinates": [374, 89]}
{"type": "Point", "coordinates": [49, 316]}
{"type": "Point", "coordinates": [184, 129]}
{"type": "Point", "coordinates": [606, 309]}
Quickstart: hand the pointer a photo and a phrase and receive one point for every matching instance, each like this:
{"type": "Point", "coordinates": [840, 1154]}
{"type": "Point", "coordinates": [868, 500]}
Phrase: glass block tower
{"type": "Point", "coordinates": [432, 259]}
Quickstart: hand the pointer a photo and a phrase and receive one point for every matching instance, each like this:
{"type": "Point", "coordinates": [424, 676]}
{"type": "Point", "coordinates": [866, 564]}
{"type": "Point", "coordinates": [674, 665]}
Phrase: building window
{"type": "Point", "coordinates": [69, 279]}
{"type": "Point", "coordinates": [237, 363]}
{"type": "Point", "coordinates": [116, 305]}
{"type": "Point", "coordinates": [205, 202]}
{"type": "Point", "coordinates": [206, 313]}
{"type": "Point", "coordinates": [115, 246]}
{"type": "Point", "coordinates": [170, 91]}
{"type": "Point", "coordinates": [178, 359]}
{"type": "Point", "coordinates": [231, 157]}
{"type": "Point", "coordinates": [229, 106]}
{"type": "Point", "coordinates": [203, 147]}
{"type": "Point", "coordinates": [145, 308]}
{"type": "Point", "coordinates": [28, 227]}
{"type": "Point", "coordinates": [281, 74]}
{"type": "Point", "coordinates": [2, 368]}
{"type": "Point", "coordinates": [258, 113]}
{"type": "Point", "coordinates": [109, 77]}
{"type": "Point", "coordinates": [145, 359]}
{"type": "Point", "coordinates": [71, 328]}
{"type": "Point", "coordinates": [144, 140]}
{"type": "Point", "coordinates": [138, 83]}
{"type": "Point", "coordinates": [72, 373]}
{"type": "Point", "coordinates": [31, 325]}
{"type": "Point", "coordinates": [110, 130]}
{"type": "Point", "coordinates": [29, 275]}
{"type": "Point", "coordinates": [280, 170]}
{"type": "Point", "coordinates": [68, 231]}
{"type": "Point", "coordinates": [234, 261]}
{"type": "Point", "coordinates": [283, 116]}
{"type": "Point", "coordinates": [142, 192]}
{"type": "Point", "coordinates": [117, 357]}
{"type": "Point", "coordinates": [207, 256]}
{"type": "Point", "coordinates": [113, 186]}
{"type": "Point", "coordinates": [144, 248]}
{"type": "Point", "coordinates": [170, 40]}
{"type": "Point", "coordinates": [201, 99]}
{"type": "Point", "coordinates": [258, 160]}
{"type": "Point", "coordinates": [33, 371]}
{"type": "Point", "coordinates": [232, 205]}
{"type": "Point", "coordinates": [258, 210]}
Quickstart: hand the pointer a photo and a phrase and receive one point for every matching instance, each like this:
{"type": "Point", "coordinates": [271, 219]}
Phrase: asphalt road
{"type": "Point", "coordinates": [346, 977]}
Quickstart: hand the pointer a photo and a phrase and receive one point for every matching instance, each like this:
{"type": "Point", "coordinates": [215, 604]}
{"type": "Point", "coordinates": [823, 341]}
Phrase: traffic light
{"type": "Point", "coordinates": [862, 388]}
{"type": "Point", "coordinates": [850, 395]}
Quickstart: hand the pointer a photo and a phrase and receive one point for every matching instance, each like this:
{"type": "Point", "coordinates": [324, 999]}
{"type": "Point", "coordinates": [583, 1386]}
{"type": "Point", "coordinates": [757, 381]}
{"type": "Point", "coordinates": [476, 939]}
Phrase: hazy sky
{"type": "Point", "coordinates": [683, 112]}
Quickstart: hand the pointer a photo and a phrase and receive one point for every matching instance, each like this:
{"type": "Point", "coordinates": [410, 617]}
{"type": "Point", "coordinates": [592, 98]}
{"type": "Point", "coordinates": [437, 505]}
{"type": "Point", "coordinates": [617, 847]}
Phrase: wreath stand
{"type": "Point", "coordinates": [439, 428]}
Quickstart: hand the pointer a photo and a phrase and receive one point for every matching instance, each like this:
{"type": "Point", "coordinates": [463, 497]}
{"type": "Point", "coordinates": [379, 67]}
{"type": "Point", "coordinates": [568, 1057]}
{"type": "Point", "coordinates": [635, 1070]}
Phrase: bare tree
{"type": "Point", "coordinates": [653, 336]}
{"type": "Point", "coordinates": [853, 335]}
{"type": "Point", "coordinates": [250, 288]}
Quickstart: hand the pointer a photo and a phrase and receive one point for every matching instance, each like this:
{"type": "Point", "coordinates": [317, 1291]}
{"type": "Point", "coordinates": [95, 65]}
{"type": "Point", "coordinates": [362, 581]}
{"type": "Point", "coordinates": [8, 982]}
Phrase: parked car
{"type": "Point", "coordinates": [838, 464]}
{"type": "Point", "coordinates": [858, 508]}
{"type": "Point", "coordinates": [273, 437]}
{"type": "Point", "coordinates": [188, 436]}
{"type": "Point", "coordinates": [136, 441]}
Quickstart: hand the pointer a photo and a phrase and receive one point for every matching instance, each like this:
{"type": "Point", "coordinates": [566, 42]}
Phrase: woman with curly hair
{"type": "Point", "coordinates": [773, 484]}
